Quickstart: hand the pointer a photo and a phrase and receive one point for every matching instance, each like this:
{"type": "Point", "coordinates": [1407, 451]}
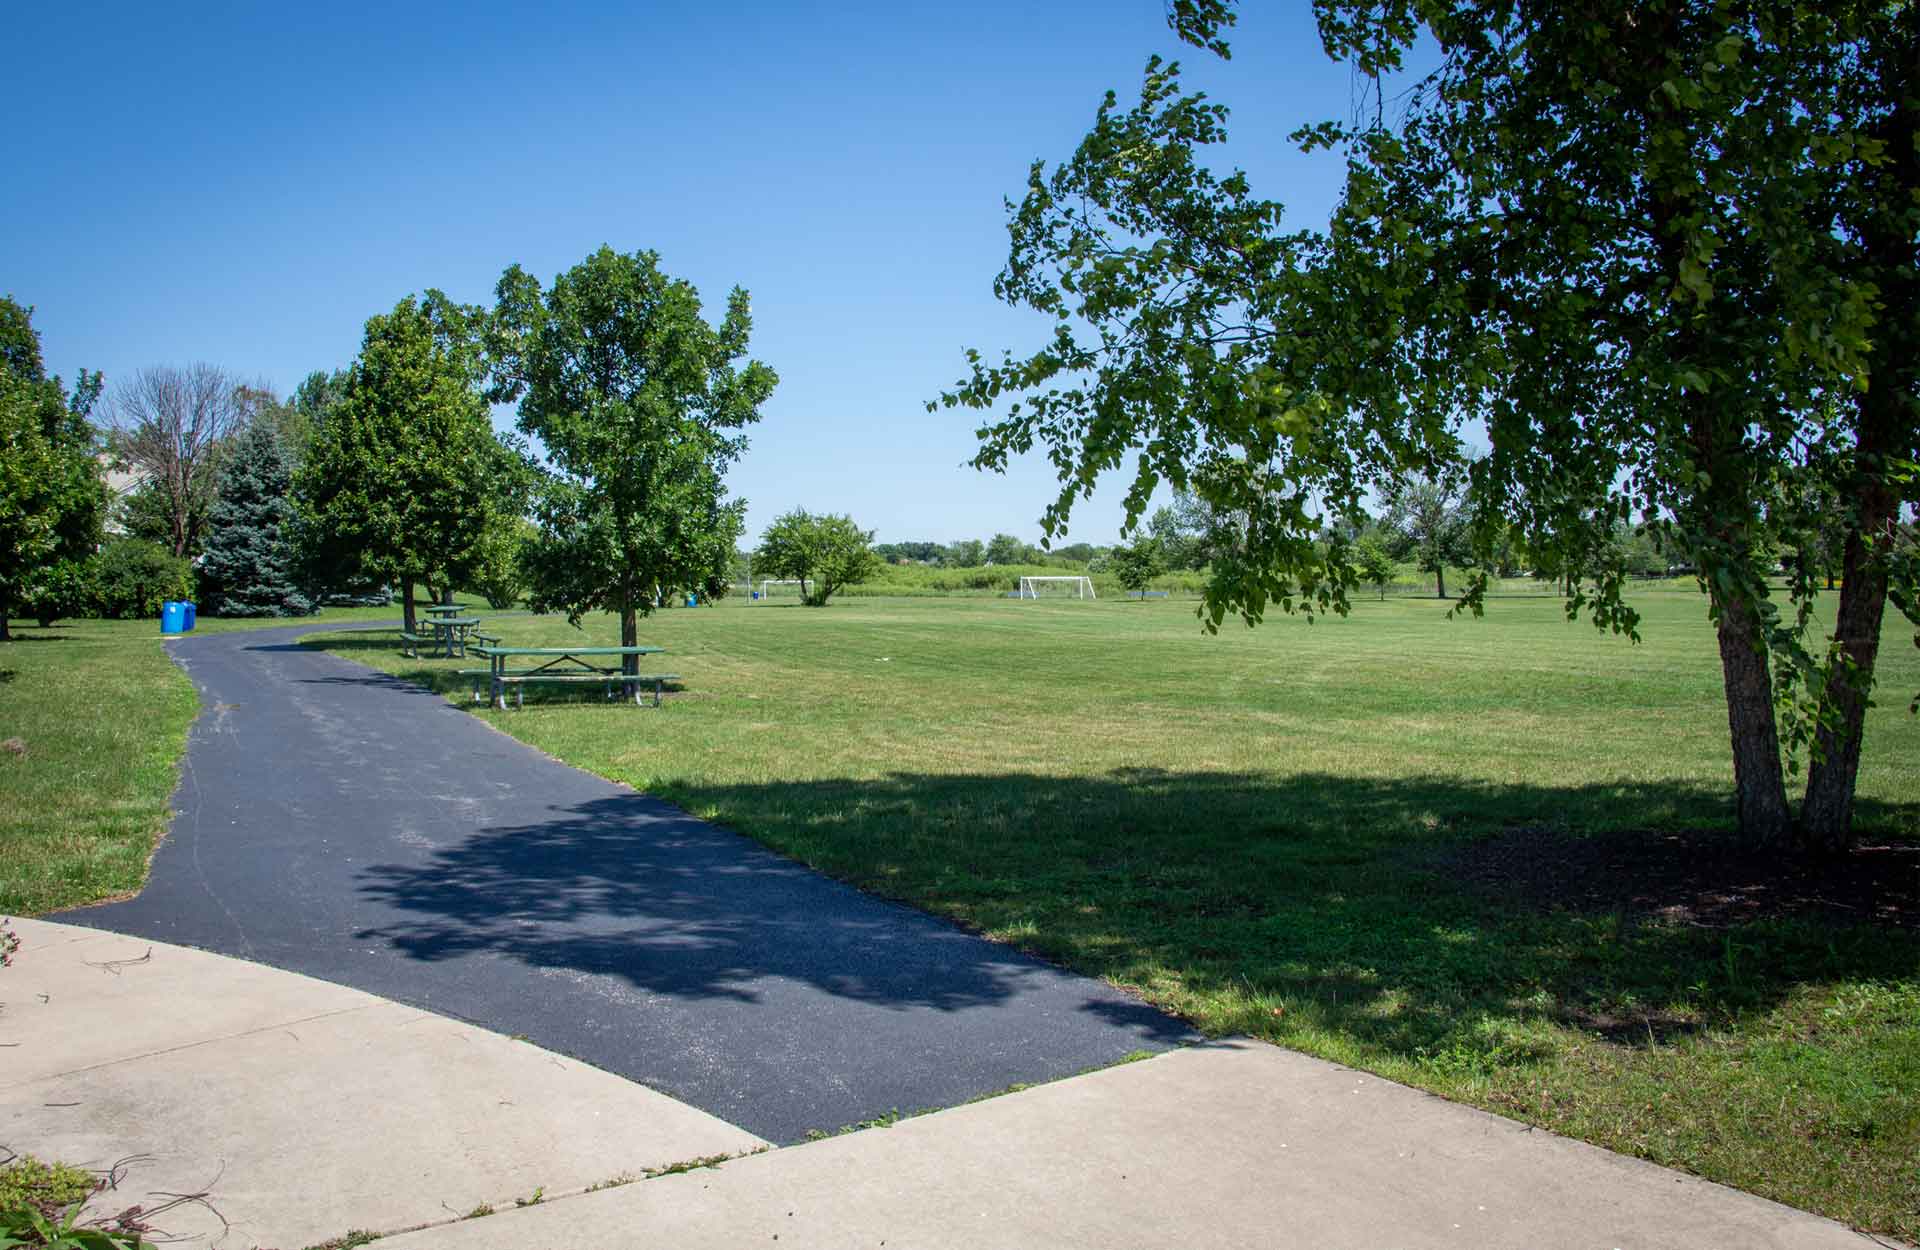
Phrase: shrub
{"type": "Point", "coordinates": [134, 577]}
{"type": "Point", "coordinates": [61, 590]}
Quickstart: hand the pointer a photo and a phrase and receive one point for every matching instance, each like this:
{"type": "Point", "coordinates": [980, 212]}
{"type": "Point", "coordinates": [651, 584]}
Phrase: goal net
{"type": "Point", "coordinates": [1056, 588]}
{"type": "Point", "coordinates": [773, 588]}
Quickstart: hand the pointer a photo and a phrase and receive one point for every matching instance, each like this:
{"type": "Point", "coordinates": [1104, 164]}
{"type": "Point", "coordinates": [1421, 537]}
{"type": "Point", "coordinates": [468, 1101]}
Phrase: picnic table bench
{"type": "Point", "coordinates": [562, 666]}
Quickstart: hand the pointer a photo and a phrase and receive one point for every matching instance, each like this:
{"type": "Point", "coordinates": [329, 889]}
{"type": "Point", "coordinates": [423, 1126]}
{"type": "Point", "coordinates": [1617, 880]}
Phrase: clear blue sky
{"type": "Point", "coordinates": [246, 185]}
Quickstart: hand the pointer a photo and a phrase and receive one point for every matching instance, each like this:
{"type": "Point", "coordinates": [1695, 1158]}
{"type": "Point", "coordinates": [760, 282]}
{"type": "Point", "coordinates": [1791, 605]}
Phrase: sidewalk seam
{"type": "Point", "coordinates": [205, 1041]}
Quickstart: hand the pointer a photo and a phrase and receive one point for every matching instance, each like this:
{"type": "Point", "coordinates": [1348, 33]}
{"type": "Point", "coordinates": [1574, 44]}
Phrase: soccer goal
{"type": "Point", "coordinates": [775, 588]}
{"type": "Point", "coordinates": [1056, 588]}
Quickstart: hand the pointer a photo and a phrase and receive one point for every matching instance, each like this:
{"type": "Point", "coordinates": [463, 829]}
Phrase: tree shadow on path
{"type": "Point", "coordinates": [628, 888]}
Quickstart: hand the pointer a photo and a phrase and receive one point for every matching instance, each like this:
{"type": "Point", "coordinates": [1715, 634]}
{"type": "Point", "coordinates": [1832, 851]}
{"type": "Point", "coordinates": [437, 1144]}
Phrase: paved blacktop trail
{"type": "Point", "coordinates": [341, 823]}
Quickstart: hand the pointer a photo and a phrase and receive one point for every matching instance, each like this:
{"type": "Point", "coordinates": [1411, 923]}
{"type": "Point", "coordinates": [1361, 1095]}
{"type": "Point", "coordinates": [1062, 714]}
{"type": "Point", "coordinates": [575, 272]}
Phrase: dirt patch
{"type": "Point", "coordinates": [1699, 879]}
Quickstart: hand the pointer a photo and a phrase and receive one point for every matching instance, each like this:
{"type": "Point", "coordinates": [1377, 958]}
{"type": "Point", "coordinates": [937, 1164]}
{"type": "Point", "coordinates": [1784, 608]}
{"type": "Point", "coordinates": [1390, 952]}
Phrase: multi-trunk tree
{"type": "Point", "coordinates": [822, 552]}
{"type": "Point", "coordinates": [639, 404]}
{"type": "Point", "coordinates": [1639, 248]}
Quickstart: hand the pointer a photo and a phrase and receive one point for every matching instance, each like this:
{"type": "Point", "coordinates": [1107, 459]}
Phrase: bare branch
{"type": "Point", "coordinates": [171, 424]}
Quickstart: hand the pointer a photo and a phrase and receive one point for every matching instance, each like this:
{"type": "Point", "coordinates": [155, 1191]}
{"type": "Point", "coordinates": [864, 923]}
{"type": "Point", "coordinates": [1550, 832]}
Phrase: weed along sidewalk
{"type": "Point", "coordinates": [297, 1113]}
{"type": "Point", "coordinates": [300, 1109]}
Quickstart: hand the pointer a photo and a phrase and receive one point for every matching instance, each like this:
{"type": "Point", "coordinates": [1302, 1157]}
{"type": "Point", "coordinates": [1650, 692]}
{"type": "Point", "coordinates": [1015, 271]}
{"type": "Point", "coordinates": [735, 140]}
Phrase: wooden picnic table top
{"type": "Point", "coordinates": [454, 620]}
{"type": "Point", "coordinates": [566, 651]}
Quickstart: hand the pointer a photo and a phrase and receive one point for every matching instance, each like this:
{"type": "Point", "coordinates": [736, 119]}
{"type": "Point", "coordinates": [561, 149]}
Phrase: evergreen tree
{"type": "Point", "coordinates": [249, 568]}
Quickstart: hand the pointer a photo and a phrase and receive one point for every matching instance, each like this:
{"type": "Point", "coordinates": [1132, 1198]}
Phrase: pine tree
{"type": "Point", "coordinates": [249, 567]}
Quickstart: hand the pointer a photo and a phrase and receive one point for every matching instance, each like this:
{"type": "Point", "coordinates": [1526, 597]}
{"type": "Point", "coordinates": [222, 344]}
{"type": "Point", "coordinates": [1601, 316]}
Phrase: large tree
{"type": "Point", "coordinates": [1639, 246]}
{"type": "Point", "coordinates": [639, 403]}
{"type": "Point", "coordinates": [404, 475]}
{"type": "Point", "coordinates": [170, 426]}
{"type": "Point", "coordinates": [54, 496]}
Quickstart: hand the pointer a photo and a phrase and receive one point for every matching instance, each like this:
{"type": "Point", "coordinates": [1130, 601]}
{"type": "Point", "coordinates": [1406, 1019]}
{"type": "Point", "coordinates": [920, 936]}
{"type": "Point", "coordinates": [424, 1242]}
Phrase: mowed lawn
{"type": "Point", "coordinates": [1253, 829]}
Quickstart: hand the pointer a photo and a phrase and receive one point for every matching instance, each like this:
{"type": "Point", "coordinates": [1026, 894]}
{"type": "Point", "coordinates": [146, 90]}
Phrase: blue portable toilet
{"type": "Point", "coordinates": [693, 601]}
{"type": "Point", "coordinates": [189, 624]}
{"type": "Point", "coordinates": [173, 617]}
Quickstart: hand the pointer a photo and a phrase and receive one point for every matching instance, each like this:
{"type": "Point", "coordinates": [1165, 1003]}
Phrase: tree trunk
{"type": "Point", "coordinates": [5, 634]}
{"type": "Point", "coordinates": [1826, 818]}
{"type": "Point", "coordinates": [629, 634]}
{"type": "Point", "coordinates": [1440, 583]}
{"type": "Point", "coordinates": [406, 603]}
{"type": "Point", "coordinates": [1886, 427]}
{"type": "Point", "coordinates": [1760, 788]}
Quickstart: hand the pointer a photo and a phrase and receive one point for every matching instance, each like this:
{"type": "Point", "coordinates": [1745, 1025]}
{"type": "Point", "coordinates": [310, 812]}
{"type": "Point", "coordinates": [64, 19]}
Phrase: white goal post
{"type": "Point", "coordinates": [1056, 588]}
{"type": "Point", "coordinates": [774, 585]}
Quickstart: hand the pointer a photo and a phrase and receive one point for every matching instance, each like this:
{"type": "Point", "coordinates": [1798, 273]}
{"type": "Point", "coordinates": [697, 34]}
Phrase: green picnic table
{"type": "Point", "coordinates": [564, 666]}
{"type": "Point", "coordinates": [451, 633]}
{"type": "Point", "coordinates": [443, 609]}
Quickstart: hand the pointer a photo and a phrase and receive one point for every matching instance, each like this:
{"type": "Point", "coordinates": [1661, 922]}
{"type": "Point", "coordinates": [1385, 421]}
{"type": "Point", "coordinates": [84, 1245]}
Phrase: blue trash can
{"type": "Point", "coordinates": [189, 608]}
{"type": "Point", "coordinates": [756, 594]}
{"type": "Point", "coordinates": [693, 601]}
{"type": "Point", "coordinates": [173, 617]}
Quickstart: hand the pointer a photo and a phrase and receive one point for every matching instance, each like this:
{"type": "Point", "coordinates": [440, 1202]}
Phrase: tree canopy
{"type": "Point", "coordinates": [1136, 565]}
{"type": "Point", "coordinates": [52, 498]}
{"type": "Point", "coordinates": [823, 553]}
{"type": "Point", "coordinates": [639, 403]}
{"type": "Point", "coordinates": [404, 475]}
{"type": "Point", "coordinates": [1427, 519]}
{"type": "Point", "coordinates": [1640, 248]}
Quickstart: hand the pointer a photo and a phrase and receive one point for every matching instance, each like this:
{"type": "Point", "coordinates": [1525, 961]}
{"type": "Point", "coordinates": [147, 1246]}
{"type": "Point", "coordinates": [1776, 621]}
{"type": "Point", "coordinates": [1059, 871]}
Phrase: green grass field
{"type": "Point", "coordinates": [1247, 828]}
{"type": "Point", "coordinates": [1252, 829]}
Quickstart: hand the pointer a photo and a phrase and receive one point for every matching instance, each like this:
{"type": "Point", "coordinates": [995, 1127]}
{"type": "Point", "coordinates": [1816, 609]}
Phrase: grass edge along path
{"type": "Point", "coordinates": [1246, 828]}
{"type": "Point", "coordinates": [94, 718]}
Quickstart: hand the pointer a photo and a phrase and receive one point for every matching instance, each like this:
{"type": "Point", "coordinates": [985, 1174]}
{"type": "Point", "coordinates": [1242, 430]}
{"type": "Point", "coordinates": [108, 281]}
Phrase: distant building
{"type": "Point", "coordinates": [121, 482]}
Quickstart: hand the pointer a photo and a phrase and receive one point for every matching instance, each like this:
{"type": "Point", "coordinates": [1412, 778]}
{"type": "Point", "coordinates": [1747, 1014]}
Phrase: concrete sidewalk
{"type": "Point", "coordinates": [305, 1110]}
{"type": "Point", "coordinates": [302, 1109]}
{"type": "Point", "coordinates": [1230, 1144]}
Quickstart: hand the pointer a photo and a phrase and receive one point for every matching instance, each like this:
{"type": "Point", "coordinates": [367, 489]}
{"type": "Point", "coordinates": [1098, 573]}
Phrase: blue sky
{"type": "Point", "coordinates": [246, 185]}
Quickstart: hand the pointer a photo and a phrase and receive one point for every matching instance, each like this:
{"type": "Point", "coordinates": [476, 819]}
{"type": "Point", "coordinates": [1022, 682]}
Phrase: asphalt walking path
{"type": "Point", "coordinates": [344, 824]}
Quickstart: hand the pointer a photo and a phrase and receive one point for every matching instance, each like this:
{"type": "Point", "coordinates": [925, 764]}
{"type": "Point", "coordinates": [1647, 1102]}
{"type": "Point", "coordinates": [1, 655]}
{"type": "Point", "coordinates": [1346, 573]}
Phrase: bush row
{"type": "Point", "coordinates": [126, 579]}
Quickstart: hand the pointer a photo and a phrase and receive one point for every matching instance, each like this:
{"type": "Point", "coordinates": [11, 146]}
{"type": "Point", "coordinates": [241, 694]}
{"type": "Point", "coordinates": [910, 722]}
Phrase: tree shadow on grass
{"type": "Point", "coordinates": [1274, 904]}
{"type": "Point", "coordinates": [630, 889]}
